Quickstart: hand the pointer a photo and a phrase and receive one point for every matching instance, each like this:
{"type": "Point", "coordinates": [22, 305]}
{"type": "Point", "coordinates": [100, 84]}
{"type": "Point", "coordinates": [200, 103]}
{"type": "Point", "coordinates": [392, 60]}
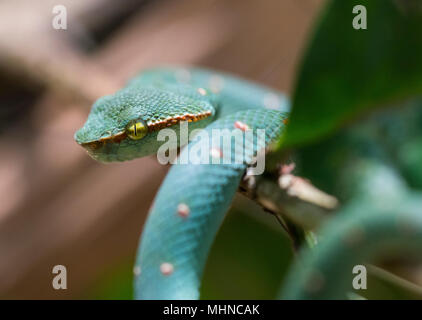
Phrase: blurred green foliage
{"type": "Point", "coordinates": [114, 284]}
{"type": "Point", "coordinates": [346, 72]}
{"type": "Point", "coordinates": [247, 261]}
{"type": "Point", "coordinates": [356, 122]}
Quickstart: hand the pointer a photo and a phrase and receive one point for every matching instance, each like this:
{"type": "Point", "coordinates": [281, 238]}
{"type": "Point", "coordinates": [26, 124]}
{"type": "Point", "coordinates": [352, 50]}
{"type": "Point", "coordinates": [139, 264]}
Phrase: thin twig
{"type": "Point", "coordinates": [290, 196]}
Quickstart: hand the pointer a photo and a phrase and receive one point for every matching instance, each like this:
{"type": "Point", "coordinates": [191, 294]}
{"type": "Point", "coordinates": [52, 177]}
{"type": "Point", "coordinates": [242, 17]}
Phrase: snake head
{"type": "Point", "coordinates": [125, 125]}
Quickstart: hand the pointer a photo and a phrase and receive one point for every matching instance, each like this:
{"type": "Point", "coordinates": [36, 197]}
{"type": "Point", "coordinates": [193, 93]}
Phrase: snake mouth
{"type": "Point", "coordinates": [94, 145]}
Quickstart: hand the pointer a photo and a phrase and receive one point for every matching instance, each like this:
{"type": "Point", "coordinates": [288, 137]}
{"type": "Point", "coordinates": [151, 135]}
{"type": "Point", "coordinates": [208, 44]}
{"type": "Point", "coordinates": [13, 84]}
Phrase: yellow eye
{"type": "Point", "coordinates": [137, 130]}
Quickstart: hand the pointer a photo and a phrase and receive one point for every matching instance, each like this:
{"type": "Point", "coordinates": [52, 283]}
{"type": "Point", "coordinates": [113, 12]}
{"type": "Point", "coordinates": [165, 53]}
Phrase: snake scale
{"type": "Point", "coordinates": [193, 199]}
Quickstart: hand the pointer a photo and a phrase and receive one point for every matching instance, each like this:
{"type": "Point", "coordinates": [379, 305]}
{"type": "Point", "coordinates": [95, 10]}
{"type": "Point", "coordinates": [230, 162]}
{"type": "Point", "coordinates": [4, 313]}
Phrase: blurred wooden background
{"type": "Point", "coordinates": [57, 206]}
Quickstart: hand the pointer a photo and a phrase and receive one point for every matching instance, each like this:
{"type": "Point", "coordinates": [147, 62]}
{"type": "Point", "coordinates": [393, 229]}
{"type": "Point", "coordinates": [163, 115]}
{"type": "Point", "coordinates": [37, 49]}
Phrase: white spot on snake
{"type": "Point", "coordinates": [271, 101]}
{"type": "Point", "coordinates": [202, 91]}
{"type": "Point", "coordinates": [240, 125]}
{"type": "Point", "coordinates": [216, 83]}
{"type": "Point", "coordinates": [166, 268]}
{"type": "Point", "coordinates": [183, 210]}
{"type": "Point", "coordinates": [182, 75]}
{"type": "Point", "coordinates": [216, 153]}
{"type": "Point", "coordinates": [137, 271]}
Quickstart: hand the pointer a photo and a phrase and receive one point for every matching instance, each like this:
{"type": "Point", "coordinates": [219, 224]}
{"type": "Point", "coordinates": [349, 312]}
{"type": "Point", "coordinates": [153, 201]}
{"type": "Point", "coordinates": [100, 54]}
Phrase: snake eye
{"type": "Point", "coordinates": [137, 130]}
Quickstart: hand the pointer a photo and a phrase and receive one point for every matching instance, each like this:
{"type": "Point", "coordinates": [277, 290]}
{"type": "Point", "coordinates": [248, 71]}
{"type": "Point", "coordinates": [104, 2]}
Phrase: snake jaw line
{"type": "Point", "coordinates": [96, 144]}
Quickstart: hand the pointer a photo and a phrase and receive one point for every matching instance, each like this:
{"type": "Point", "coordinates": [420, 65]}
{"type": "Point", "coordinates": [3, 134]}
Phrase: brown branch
{"type": "Point", "coordinates": [293, 197]}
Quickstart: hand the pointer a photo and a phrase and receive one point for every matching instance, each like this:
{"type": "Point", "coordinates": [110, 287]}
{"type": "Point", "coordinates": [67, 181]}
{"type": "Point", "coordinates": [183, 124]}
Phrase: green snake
{"type": "Point", "coordinates": [193, 199]}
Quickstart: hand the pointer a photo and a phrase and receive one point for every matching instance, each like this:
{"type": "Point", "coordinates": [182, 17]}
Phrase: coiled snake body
{"type": "Point", "coordinates": [380, 218]}
{"type": "Point", "coordinates": [194, 198]}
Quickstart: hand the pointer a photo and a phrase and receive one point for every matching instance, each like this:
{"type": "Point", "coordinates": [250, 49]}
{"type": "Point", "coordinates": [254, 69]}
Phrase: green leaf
{"type": "Point", "coordinates": [347, 72]}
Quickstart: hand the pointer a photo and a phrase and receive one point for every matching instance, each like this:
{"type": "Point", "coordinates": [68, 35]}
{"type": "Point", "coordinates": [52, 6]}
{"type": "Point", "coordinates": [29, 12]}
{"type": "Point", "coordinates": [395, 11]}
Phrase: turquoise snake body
{"type": "Point", "coordinates": [193, 199]}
